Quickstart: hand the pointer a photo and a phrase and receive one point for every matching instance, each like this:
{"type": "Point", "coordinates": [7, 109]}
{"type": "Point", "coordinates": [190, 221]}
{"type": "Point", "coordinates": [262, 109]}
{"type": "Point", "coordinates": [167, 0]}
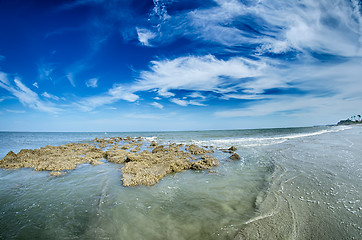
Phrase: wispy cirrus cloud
{"type": "Point", "coordinates": [325, 90]}
{"type": "Point", "coordinates": [15, 111]}
{"type": "Point", "coordinates": [157, 105]}
{"type": "Point", "coordinates": [70, 77]}
{"type": "Point", "coordinates": [269, 26]}
{"type": "Point", "coordinates": [51, 96]}
{"type": "Point", "coordinates": [197, 73]}
{"type": "Point", "coordinates": [196, 95]}
{"type": "Point", "coordinates": [325, 107]}
{"type": "Point", "coordinates": [93, 83]}
{"type": "Point", "coordinates": [116, 93]}
{"type": "Point", "coordinates": [26, 96]}
{"type": "Point", "coordinates": [144, 36]}
{"type": "Point", "coordinates": [46, 71]}
{"type": "Point", "coordinates": [185, 103]}
{"type": "Point", "coordinates": [313, 26]}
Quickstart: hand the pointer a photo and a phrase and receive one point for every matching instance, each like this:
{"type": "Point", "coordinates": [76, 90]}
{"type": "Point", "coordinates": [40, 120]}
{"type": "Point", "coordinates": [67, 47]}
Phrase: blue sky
{"type": "Point", "coordinates": [123, 65]}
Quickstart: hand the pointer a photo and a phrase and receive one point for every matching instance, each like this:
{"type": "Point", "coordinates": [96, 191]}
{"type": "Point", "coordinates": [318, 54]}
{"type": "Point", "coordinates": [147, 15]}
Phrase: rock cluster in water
{"type": "Point", "coordinates": [140, 167]}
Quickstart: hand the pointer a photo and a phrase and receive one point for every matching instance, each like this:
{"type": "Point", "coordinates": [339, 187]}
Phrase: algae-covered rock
{"type": "Point", "coordinates": [232, 148]}
{"type": "Point", "coordinates": [158, 149]}
{"type": "Point", "coordinates": [10, 157]}
{"type": "Point", "coordinates": [148, 168]}
{"type": "Point", "coordinates": [116, 156]}
{"type": "Point", "coordinates": [153, 144]}
{"type": "Point", "coordinates": [142, 173]}
{"type": "Point", "coordinates": [207, 162]}
{"type": "Point", "coordinates": [56, 173]}
{"type": "Point", "coordinates": [196, 150]}
{"type": "Point", "coordinates": [235, 156]}
{"type": "Point", "coordinates": [136, 149]}
{"type": "Point", "coordinates": [95, 162]}
{"type": "Point", "coordinates": [53, 158]}
{"type": "Point", "coordinates": [140, 168]}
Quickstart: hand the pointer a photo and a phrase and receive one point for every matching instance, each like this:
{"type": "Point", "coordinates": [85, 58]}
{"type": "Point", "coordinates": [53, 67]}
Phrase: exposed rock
{"type": "Point", "coordinates": [158, 149]}
{"type": "Point", "coordinates": [53, 158]}
{"type": "Point", "coordinates": [148, 168]}
{"type": "Point", "coordinates": [127, 146]}
{"type": "Point", "coordinates": [232, 148]}
{"type": "Point", "coordinates": [116, 156]}
{"type": "Point", "coordinates": [153, 144]}
{"type": "Point", "coordinates": [56, 173]}
{"type": "Point", "coordinates": [140, 168]}
{"type": "Point", "coordinates": [235, 156]}
{"type": "Point", "coordinates": [96, 162]}
{"type": "Point", "coordinates": [207, 162]}
{"type": "Point", "coordinates": [136, 149]}
{"type": "Point", "coordinates": [196, 150]}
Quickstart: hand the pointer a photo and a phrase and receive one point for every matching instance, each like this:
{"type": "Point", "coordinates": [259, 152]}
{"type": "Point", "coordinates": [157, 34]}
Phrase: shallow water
{"type": "Point", "coordinates": [300, 183]}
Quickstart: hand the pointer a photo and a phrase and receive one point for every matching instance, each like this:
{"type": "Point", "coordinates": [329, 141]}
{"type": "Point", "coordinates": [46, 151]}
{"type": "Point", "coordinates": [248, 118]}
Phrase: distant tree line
{"type": "Point", "coordinates": [351, 120]}
{"type": "Point", "coordinates": [355, 118]}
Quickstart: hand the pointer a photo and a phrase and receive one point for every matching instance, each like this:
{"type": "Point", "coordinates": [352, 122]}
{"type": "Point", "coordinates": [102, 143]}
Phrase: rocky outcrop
{"type": "Point", "coordinates": [53, 158]}
{"type": "Point", "coordinates": [206, 162]}
{"type": "Point", "coordinates": [196, 150]}
{"type": "Point", "coordinates": [140, 167]}
{"type": "Point", "coordinates": [147, 168]}
{"type": "Point", "coordinates": [229, 150]}
{"type": "Point", "coordinates": [235, 156]}
{"type": "Point", "coordinates": [232, 148]}
{"type": "Point", "coordinates": [116, 156]}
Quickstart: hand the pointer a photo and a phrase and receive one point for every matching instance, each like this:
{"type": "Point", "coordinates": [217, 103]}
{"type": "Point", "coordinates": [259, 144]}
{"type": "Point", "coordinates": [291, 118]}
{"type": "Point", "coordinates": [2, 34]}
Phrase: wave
{"type": "Point", "coordinates": [265, 141]}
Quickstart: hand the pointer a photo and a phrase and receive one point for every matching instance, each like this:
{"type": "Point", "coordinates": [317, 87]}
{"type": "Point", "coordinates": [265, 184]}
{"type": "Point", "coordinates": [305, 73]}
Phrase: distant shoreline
{"type": "Point", "coordinates": [348, 122]}
{"type": "Point", "coordinates": [175, 131]}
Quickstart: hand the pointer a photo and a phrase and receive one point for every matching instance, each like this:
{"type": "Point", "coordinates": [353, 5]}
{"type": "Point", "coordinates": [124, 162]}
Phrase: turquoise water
{"type": "Point", "coordinates": [296, 183]}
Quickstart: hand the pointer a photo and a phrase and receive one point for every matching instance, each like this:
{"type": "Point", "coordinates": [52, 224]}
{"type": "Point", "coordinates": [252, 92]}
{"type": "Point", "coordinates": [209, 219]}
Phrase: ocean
{"type": "Point", "coordinates": [291, 183]}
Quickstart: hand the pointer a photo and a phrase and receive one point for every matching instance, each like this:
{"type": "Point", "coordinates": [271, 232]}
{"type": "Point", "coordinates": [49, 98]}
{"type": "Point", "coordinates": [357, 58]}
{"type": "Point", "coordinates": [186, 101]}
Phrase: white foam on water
{"type": "Point", "coordinates": [265, 141]}
{"type": "Point", "coordinates": [150, 139]}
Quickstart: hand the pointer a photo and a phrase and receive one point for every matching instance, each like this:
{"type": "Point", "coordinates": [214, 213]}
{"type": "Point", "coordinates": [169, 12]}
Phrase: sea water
{"type": "Point", "coordinates": [291, 183]}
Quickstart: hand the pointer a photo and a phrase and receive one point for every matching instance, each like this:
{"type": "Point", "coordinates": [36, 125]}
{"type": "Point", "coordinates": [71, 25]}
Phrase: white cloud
{"type": "Point", "coordinates": [113, 95]}
{"type": "Point", "coordinates": [179, 102]}
{"type": "Point", "coordinates": [160, 10]}
{"type": "Point", "coordinates": [329, 90]}
{"type": "Point", "coordinates": [120, 92]}
{"type": "Point", "coordinates": [185, 103]}
{"type": "Point", "coordinates": [14, 111]}
{"type": "Point", "coordinates": [93, 83]}
{"type": "Point", "coordinates": [50, 96]}
{"type": "Point", "coordinates": [196, 95]}
{"type": "Point", "coordinates": [312, 106]}
{"type": "Point", "coordinates": [26, 96]}
{"type": "Point", "coordinates": [275, 26]}
{"type": "Point", "coordinates": [45, 71]}
{"type": "Point", "coordinates": [4, 78]}
{"type": "Point", "coordinates": [165, 93]}
{"type": "Point", "coordinates": [35, 85]}
{"type": "Point", "coordinates": [203, 73]}
{"type": "Point", "coordinates": [70, 77]}
{"type": "Point", "coordinates": [333, 28]}
{"type": "Point", "coordinates": [145, 35]}
{"type": "Point", "coordinates": [157, 105]}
